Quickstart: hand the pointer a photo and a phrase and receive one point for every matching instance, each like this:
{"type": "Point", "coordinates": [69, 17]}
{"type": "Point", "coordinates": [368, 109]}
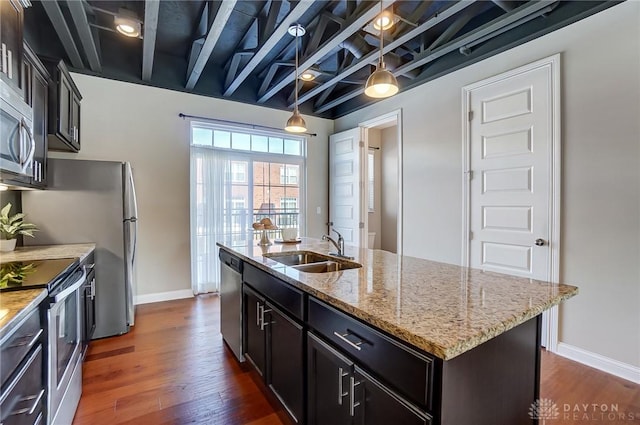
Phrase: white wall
{"type": "Point", "coordinates": [140, 124]}
{"type": "Point", "coordinates": [375, 217]}
{"type": "Point", "coordinates": [600, 242]}
{"type": "Point", "coordinates": [389, 178]}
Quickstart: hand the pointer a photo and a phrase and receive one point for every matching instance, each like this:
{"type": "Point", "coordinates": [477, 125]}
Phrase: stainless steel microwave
{"type": "Point", "coordinates": [17, 144]}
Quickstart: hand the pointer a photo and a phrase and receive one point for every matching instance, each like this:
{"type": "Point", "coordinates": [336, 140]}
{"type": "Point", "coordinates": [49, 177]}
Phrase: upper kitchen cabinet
{"type": "Point", "coordinates": [64, 108]}
{"type": "Point", "coordinates": [11, 31]}
{"type": "Point", "coordinates": [36, 94]}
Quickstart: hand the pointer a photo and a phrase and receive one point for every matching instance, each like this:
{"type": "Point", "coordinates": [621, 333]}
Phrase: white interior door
{"type": "Point", "coordinates": [513, 160]}
{"type": "Point", "coordinates": [345, 197]}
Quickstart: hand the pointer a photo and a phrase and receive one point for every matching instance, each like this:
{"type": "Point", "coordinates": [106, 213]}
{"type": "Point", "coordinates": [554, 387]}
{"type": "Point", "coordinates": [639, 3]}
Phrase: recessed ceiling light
{"type": "Point", "coordinates": [384, 21]}
{"type": "Point", "coordinates": [309, 75]}
{"type": "Point", "coordinates": [127, 23]}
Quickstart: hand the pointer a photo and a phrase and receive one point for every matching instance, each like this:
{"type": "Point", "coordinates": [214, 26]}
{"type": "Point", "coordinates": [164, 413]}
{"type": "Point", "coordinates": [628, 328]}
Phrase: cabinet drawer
{"type": "Point", "coordinates": [408, 371]}
{"type": "Point", "coordinates": [16, 345]}
{"type": "Point", "coordinates": [284, 295]}
{"type": "Point", "coordinates": [24, 399]}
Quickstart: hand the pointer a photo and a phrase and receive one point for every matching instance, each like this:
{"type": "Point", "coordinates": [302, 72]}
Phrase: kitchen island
{"type": "Point", "coordinates": [449, 345]}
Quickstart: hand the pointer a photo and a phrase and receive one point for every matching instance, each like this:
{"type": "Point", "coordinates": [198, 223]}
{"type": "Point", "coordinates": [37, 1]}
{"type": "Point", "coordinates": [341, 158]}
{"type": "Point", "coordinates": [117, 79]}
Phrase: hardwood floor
{"type": "Point", "coordinates": [173, 369]}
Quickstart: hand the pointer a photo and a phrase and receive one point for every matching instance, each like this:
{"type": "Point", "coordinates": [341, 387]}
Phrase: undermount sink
{"type": "Point", "coordinates": [312, 262]}
{"type": "Point", "coordinates": [326, 267]}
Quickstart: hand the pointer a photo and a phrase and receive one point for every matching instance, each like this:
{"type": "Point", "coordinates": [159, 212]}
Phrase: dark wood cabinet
{"type": "Point", "coordinates": [64, 108]}
{"type": "Point", "coordinates": [88, 308]}
{"type": "Point", "coordinates": [254, 335]}
{"type": "Point", "coordinates": [328, 375]}
{"type": "Point", "coordinates": [375, 404]}
{"type": "Point", "coordinates": [36, 90]}
{"type": "Point", "coordinates": [285, 360]}
{"type": "Point", "coordinates": [11, 33]}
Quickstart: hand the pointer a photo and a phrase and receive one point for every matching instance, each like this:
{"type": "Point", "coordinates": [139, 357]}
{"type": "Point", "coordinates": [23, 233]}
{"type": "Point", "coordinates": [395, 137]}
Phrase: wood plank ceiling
{"type": "Point", "coordinates": [240, 50]}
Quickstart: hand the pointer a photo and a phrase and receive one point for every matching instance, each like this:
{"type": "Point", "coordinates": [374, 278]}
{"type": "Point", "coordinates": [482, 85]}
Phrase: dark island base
{"type": "Point", "coordinates": [496, 382]}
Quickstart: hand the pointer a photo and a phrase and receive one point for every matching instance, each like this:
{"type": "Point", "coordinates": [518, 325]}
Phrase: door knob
{"type": "Point", "coordinates": [540, 242]}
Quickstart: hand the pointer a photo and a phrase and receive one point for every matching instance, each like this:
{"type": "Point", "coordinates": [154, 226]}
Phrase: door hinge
{"type": "Point", "coordinates": [470, 172]}
{"type": "Point", "coordinates": [470, 115]}
{"type": "Point", "coordinates": [470, 235]}
{"type": "Point", "coordinates": [361, 225]}
{"type": "Point", "coordinates": [361, 144]}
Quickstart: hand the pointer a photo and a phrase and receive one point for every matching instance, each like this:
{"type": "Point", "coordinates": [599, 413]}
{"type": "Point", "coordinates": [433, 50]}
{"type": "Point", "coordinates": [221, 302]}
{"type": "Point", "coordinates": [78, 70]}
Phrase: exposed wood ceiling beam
{"type": "Point", "coordinates": [352, 25]}
{"type": "Point", "coordinates": [79, 17]}
{"type": "Point", "coordinates": [151, 11]}
{"type": "Point", "coordinates": [52, 9]}
{"type": "Point", "coordinates": [523, 14]}
{"type": "Point", "coordinates": [215, 31]}
{"type": "Point", "coordinates": [281, 31]}
{"type": "Point", "coordinates": [373, 56]}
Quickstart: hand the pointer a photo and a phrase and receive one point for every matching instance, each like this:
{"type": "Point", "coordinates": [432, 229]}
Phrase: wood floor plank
{"type": "Point", "coordinates": [174, 369]}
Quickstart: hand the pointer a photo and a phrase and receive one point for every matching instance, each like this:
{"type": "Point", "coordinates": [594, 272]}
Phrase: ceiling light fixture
{"type": "Point", "coordinates": [308, 75]}
{"type": "Point", "coordinates": [382, 83]}
{"type": "Point", "coordinates": [385, 21]}
{"type": "Point", "coordinates": [296, 123]}
{"type": "Point", "coordinates": [127, 23]}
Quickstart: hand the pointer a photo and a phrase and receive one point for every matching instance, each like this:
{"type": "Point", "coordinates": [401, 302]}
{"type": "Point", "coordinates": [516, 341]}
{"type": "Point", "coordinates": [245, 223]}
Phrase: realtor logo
{"type": "Point", "coordinates": [544, 409]}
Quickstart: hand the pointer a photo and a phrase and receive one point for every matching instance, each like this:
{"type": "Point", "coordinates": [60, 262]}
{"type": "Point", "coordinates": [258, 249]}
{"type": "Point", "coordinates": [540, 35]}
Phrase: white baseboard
{"type": "Point", "coordinates": [162, 296]}
{"type": "Point", "coordinates": [605, 364]}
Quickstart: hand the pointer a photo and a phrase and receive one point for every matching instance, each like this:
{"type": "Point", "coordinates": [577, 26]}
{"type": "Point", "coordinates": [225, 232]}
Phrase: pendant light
{"type": "Point", "coordinates": [296, 123]}
{"type": "Point", "coordinates": [382, 83]}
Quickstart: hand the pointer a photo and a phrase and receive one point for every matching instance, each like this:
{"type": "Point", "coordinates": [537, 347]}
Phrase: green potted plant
{"type": "Point", "coordinates": [11, 227]}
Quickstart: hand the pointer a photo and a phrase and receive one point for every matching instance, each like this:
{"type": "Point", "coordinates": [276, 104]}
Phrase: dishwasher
{"type": "Point", "coordinates": [231, 302]}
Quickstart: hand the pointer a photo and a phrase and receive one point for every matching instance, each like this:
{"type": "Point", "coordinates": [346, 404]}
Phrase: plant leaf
{"type": "Point", "coordinates": [5, 210]}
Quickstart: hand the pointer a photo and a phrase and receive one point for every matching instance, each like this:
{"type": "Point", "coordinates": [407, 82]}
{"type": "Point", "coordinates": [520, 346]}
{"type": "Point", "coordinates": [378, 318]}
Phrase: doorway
{"type": "Point", "coordinates": [512, 177]}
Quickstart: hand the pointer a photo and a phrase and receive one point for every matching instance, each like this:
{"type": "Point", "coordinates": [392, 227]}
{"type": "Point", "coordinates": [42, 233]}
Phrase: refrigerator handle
{"type": "Point", "coordinates": [133, 202]}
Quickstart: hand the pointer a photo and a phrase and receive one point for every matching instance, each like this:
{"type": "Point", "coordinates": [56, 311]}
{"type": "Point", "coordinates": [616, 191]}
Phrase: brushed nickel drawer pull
{"type": "Point", "coordinates": [341, 392]}
{"type": "Point", "coordinates": [29, 411]}
{"type": "Point", "coordinates": [262, 323]}
{"type": "Point", "coordinates": [25, 341]}
{"type": "Point", "coordinates": [343, 337]}
{"type": "Point", "coordinates": [352, 396]}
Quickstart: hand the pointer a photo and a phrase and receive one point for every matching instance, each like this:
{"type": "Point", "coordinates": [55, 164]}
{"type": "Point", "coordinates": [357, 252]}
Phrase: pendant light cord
{"type": "Point", "coordinates": [296, 88]}
{"type": "Point", "coordinates": [381, 37]}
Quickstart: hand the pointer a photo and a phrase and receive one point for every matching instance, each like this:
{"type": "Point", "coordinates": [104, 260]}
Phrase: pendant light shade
{"type": "Point", "coordinates": [296, 123]}
{"type": "Point", "coordinates": [382, 83]}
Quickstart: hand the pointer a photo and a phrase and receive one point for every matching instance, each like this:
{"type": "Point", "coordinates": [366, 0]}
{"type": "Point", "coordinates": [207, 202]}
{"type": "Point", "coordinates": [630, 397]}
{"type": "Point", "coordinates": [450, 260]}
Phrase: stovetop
{"type": "Point", "coordinates": [18, 275]}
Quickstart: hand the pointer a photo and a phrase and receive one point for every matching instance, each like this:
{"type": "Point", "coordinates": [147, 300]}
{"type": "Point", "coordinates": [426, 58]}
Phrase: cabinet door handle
{"type": "Point", "coordinates": [262, 322]}
{"type": "Point", "coordinates": [352, 396]}
{"type": "Point", "coordinates": [29, 410]}
{"type": "Point", "coordinates": [341, 392]}
{"type": "Point", "coordinates": [10, 64]}
{"type": "Point", "coordinates": [343, 337]}
{"type": "Point", "coordinates": [4, 58]}
{"type": "Point", "coordinates": [258, 315]}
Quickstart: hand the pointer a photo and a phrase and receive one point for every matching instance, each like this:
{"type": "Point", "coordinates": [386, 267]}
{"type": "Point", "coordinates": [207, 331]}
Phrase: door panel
{"type": "Point", "coordinates": [345, 185]}
{"type": "Point", "coordinates": [511, 135]}
{"type": "Point", "coordinates": [254, 342]}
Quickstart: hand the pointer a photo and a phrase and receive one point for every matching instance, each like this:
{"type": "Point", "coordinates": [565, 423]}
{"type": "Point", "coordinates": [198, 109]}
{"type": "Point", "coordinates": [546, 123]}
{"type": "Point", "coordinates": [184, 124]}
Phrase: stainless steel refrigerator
{"type": "Point", "coordinates": [93, 201]}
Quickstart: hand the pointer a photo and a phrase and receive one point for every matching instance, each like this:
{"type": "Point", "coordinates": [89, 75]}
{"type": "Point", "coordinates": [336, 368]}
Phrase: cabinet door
{"type": "Point", "coordinates": [328, 375]}
{"type": "Point", "coordinates": [285, 357]}
{"type": "Point", "coordinates": [375, 404]}
{"type": "Point", "coordinates": [39, 96]}
{"type": "Point", "coordinates": [75, 120]}
{"type": "Point", "coordinates": [254, 335]}
{"type": "Point", "coordinates": [11, 16]}
{"type": "Point", "coordinates": [64, 108]}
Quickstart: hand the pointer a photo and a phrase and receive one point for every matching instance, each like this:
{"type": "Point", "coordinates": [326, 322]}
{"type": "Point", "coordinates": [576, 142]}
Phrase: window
{"type": "Point", "coordinates": [372, 181]}
{"type": "Point", "coordinates": [289, 174]}
{"type": "Point", "coordinates": [238, 177]}
{"type": "Point", "coordinates": [238, 172]}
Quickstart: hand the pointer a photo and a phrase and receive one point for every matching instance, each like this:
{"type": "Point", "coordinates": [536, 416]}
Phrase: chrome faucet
{"type": "Point", "coordinates": [339, 245]}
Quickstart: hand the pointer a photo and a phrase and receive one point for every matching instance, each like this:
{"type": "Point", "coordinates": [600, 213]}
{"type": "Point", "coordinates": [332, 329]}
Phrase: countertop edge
{"type": "Point", "coordinates": [444, 353]}
{"type": "Point", "coordinates": [7, 327]}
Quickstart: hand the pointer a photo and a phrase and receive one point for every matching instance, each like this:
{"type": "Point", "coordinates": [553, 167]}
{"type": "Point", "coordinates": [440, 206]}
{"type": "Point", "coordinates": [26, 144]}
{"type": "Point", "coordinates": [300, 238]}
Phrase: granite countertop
{"type": "Point", "coordinates": [16, 305]}
{"type": "Point", "coordinates": [440, 308]}
{"type": "Point", "coordinates": [48, 252]}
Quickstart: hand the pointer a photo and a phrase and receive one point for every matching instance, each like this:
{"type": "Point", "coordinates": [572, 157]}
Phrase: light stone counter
{"type": "Point", "coordinates": [16, 305]}
{"type": "Point", "coordinates": [440, 308]}
{"type": "Point", "coordinates": [48, 252]}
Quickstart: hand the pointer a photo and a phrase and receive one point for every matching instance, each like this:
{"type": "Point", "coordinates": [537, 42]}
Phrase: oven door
{"type": "Point", "coordinates": [64, 339]}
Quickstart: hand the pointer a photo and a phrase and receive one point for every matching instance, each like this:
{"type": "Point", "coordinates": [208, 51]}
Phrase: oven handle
{"type": "Point", "coordinates": [71, 289]}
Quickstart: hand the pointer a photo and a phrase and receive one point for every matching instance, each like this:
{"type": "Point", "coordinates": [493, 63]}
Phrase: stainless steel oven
{"type": "Point", "coordinates": [65, 346]}
{"type": "Point", "coordinates": [17, 144]}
